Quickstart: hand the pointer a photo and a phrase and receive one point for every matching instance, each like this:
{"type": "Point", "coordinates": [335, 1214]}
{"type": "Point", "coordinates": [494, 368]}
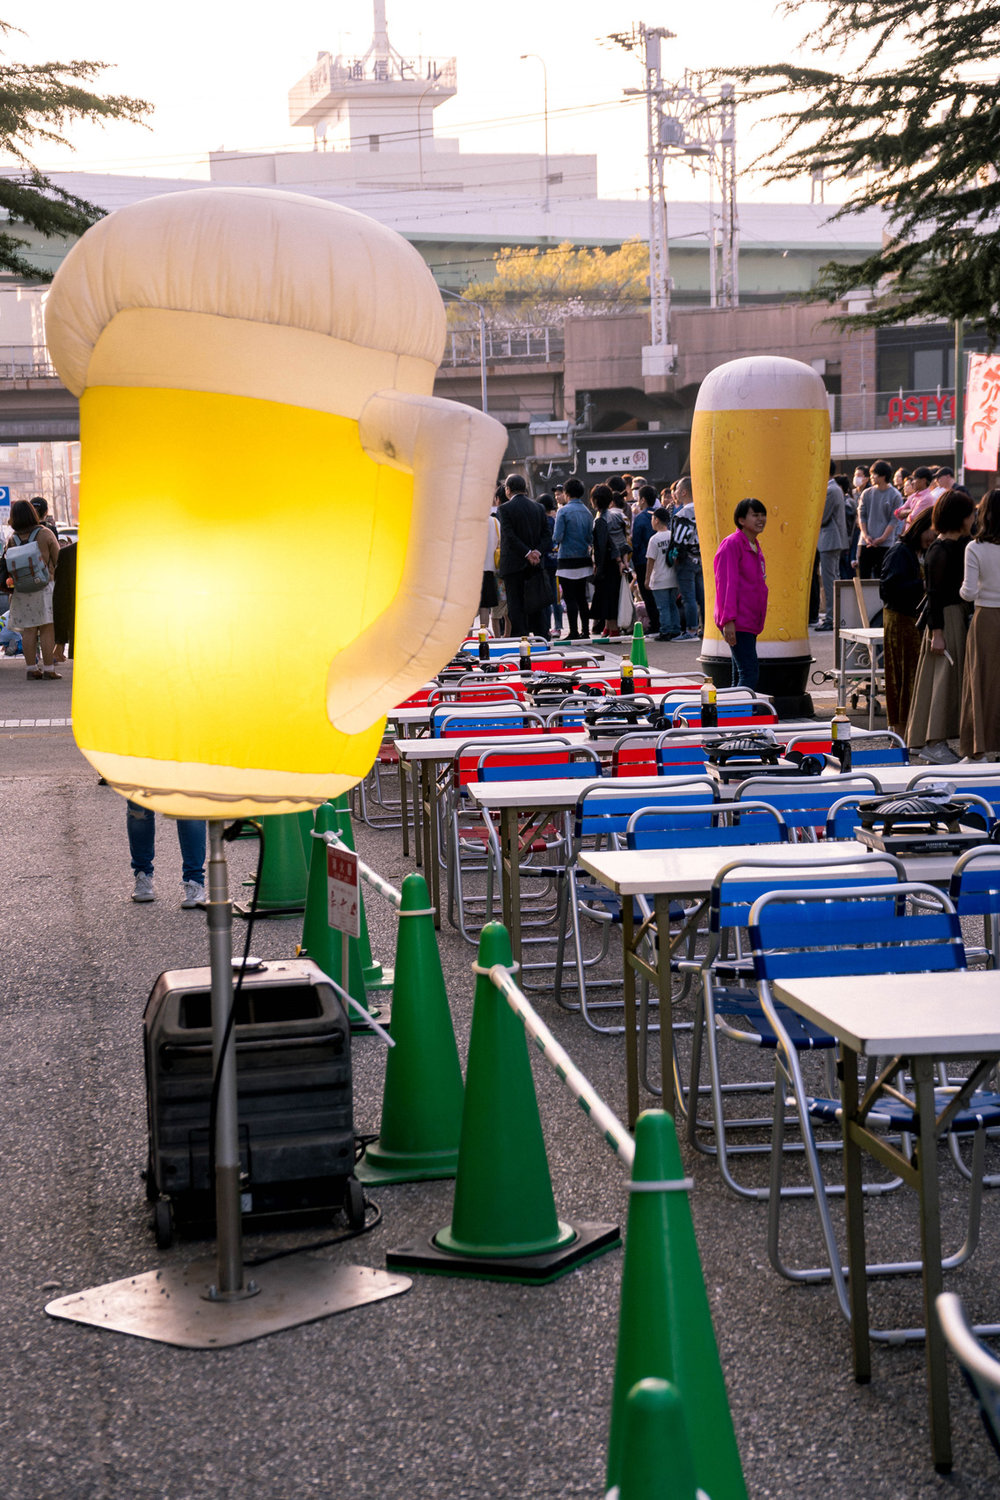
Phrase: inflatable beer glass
{"type": "Point", "coordinates": [762, 428]}
{"type": "Point", "coordinates": [281, 530]}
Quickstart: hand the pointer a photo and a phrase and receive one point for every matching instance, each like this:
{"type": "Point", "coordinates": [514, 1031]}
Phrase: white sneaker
{"type": "Point", "coordinates": [940, 754]}
{"type": "Point", "coordinates": [192, 895]}
{"type": "Point", "coordinates": [143, 888]}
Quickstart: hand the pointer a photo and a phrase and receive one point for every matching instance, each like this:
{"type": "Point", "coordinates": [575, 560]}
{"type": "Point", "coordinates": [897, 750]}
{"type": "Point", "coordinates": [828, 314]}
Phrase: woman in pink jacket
{"type": "Point", "coordinates": [741, 591]}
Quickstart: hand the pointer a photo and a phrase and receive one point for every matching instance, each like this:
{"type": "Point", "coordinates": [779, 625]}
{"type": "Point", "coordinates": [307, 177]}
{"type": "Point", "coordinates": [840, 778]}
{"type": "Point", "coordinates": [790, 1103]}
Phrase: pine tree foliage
{"type": "Point", "coordinates": [910, 122]}
{"type": "Point", "coordinates": [545, 286]}
{"type": "Point", "coordinates": [37, 102]}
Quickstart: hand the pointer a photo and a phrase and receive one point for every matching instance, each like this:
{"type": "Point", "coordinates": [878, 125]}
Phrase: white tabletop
{"type": "Point", "coordinates": [559, 793]}
{"type": "Point", "coordinates": [864, 634]}
{"type": "Point", "coordinates": [938, 1015]}
{"type": "Point", "coordinates": [443, 750]}
{"type": "Point", "coordinates": [898, 778]}
{"type": "Point", "coordinates": [679, 872]}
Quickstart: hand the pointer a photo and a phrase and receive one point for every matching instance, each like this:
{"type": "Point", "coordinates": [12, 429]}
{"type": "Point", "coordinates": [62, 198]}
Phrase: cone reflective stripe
{"type": "Point", "coordinates": [422, 1100]}
{"type": "Point", "coordinates": [284, 875]}
{"type": "Point", "coordinates": [504, 1223]}
{"type": "Point", "coordinates": [665, 1325]}
{"type": "Point", "coordinates": [656, 1455]}
{"type": "Point", "coordinates": [638, 652]}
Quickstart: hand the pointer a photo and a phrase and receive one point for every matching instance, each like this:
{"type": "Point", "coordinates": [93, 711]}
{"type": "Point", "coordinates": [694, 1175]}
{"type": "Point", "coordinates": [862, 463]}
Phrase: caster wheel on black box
{"type": "Point", "coordinates": [354, 1204]}
{"type": "Point", "coordinates": [163, 1223]}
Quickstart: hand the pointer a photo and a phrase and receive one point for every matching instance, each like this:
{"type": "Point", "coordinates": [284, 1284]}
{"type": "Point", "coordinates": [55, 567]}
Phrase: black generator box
{"type": "Point", "coordinates": [293, 1072]}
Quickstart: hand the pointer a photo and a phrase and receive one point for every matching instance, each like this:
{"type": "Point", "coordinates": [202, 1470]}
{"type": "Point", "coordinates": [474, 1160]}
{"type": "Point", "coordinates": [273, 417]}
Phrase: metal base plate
{"type": "Point", "coordinates": [245, 908]}
{"type": "Point", "coordinates": [591, 1240]}
{"type": "Point", "coordinates": [170, 1307]}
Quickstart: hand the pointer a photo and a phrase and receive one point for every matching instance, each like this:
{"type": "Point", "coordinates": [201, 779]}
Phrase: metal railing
{"type": "Point", "coordinates": [897, 410]}
{"type": "Point", "coordinates": [541, 344]}
{"type": "Point", "coordinates": [26, 362]}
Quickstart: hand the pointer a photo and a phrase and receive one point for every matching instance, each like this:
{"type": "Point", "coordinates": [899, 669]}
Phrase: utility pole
{"type": "Point", "coordinates": [660, 356]}
{"type": "Point", "coordinates": [698, 124]}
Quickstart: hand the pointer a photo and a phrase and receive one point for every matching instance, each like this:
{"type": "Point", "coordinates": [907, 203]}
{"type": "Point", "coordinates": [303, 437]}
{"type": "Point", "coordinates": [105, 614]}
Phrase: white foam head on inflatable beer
{"type": "Point", "coordinates": [762, 428]}
{"type": "Point", "coordinates": [281, 530]}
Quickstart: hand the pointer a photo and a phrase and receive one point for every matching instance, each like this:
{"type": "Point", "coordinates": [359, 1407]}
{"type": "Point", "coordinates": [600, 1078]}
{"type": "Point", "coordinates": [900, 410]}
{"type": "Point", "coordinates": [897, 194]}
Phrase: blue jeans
{"type": "Point", "coordinates": [746, 670]}
{"type": "Point", "coordinates": [691, 590]}
{"type": "Point", "coordinates": [141, 825]}
{"type": "Point", "coordinates": [666, 608]}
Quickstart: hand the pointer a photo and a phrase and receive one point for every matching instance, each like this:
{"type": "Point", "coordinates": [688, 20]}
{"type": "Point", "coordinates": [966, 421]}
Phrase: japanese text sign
{"type": "Point", "coordinates": [343, 904]}
{"type": "Point", "coordinates": [982, 412]}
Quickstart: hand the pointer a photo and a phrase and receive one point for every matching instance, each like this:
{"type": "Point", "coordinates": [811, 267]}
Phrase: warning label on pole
{"type": "Point", "coordinates": [343, 904]}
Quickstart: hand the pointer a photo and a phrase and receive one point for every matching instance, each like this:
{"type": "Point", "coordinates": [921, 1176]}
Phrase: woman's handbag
{"type": "Point", "coordinates": [626, 609]}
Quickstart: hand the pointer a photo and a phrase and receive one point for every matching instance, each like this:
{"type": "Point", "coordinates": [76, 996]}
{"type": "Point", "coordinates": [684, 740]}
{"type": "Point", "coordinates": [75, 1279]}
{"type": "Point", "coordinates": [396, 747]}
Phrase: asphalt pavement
{"type": "Point", "coordinates": [460, 1389]}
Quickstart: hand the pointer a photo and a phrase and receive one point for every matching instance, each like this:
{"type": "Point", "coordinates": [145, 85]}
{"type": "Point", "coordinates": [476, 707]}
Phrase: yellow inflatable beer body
{"type": "Point", "coordinates": [280, 528]}
{"type": "Point", "coordinates": [762, 428]}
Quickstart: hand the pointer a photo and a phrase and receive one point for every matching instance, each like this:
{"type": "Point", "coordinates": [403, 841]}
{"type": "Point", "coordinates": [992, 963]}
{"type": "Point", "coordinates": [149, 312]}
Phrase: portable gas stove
{"type": "Point", "coordinates": [928, 823]}
{"type": "Point", "coordinates": [753, 753]}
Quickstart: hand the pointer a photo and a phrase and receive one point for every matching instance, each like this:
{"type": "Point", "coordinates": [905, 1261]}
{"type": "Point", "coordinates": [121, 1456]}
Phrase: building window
{"type": "Point", "coordinates": [373, 143]}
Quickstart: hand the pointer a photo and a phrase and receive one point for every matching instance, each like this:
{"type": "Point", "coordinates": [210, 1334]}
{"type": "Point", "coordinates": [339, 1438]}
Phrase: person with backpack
{"type": "Point", "coordinates": [29, 567]}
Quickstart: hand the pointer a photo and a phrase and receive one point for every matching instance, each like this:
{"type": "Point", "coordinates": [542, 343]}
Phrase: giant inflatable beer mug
{"type": "Point", "coordinates": [281, 530]}
{"type": "Point", "coordinates": [762, 428]}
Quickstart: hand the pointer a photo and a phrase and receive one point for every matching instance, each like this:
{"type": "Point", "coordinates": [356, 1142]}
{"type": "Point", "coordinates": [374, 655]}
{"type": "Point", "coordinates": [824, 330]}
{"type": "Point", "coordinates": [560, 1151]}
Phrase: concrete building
{"type": "Point", "coordinates": [567, 393]}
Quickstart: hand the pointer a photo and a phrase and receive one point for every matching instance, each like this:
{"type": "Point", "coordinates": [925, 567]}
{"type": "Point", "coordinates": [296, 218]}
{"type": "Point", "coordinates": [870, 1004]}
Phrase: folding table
{"type": "Point", "coordinates": [664, 874]}
{"type": "Point", "coordinates": [920, 1019]}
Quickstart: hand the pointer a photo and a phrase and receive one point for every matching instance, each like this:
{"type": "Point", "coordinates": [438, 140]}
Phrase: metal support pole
{"type": "Point", "coordinates": [229, 1228]}
{"type": "Point", "coordinates": [959, 401]}
{"type": "Point", "coordinates": [482, 357]}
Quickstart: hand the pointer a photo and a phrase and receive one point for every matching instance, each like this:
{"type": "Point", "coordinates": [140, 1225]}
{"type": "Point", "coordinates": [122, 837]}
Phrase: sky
{"type": "Point", "coordinates": [218, 74]}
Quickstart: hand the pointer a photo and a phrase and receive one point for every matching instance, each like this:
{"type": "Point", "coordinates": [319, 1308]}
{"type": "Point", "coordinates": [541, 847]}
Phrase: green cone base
{"type": "Point", "coordinates": [240, 910]}
{"type": "Point", "coordinates": [590, 1240]}
{"type": "Point", "coordinates": [383, 1167]}
{"type": "Point", "coordinates": [378, 977]}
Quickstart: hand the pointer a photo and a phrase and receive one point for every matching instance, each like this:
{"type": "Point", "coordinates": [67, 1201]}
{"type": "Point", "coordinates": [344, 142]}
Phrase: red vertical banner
{"type": "Point", "coordinates": [982, 412]}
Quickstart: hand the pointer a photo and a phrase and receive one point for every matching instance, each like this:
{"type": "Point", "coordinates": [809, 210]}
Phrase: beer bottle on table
{"type": "Point", "coordinates": [525, 659]}
{"type": "Point", "coordinates": [484, 648]}
{"type": "Point", "coordinates": [840, 737]}
{"type": "Point", "coordinates": [628, 678]}
{"type": "Point", "coordinates": [709, 706]}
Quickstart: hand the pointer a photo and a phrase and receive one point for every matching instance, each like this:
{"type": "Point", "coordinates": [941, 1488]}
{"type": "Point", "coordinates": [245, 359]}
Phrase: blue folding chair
{"type": "Point", "coordinates": [709, 825]}
{"type": "Point", "coordinates": [729, 1009]}
{"type": "Point", "coordinates": [975, 892]}
{"type": "Point", "coordinates": [805, 801]}
{"type": "Point", "coordinates": [902, 928]}
{"type": "Point", "coordinates": [472, 844]}
{"type": "Point", "coordinates": [600, 819]}
{"type": "Point", "coordinates": [980, 1368]}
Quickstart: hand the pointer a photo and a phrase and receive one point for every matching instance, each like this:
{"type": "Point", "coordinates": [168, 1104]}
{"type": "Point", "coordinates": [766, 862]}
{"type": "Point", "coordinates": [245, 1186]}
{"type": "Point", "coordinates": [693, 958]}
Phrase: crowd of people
{"type": "Point", "coordinates": [603, 558]}
{"type": "Point", "coordinates": [936, 556]}
{"type": "Point", "coordinates": [38, 621]}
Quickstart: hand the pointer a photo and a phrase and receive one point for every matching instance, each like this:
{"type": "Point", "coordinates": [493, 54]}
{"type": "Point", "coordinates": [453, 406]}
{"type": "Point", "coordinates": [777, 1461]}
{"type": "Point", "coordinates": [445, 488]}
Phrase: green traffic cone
{"type": "Point", "coordinates": [665, 1325]}
{"type": "Point", "coordinates": [638, 652]}
{"type": "Point", "coordinates": [656, 1454]}
{"type": "Point", "coordinates": [307, 821]}
{"type": "Point", "coordinates": [281, 890]}
{"type": "Point", "coordinates": [503, 1225]}
{"type": "Point", "coordinates": [375, 976]}
{"type": "Point", "coordinates": [422, 1098]}
{"type": "Point", "coordinates": [322, 943]}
